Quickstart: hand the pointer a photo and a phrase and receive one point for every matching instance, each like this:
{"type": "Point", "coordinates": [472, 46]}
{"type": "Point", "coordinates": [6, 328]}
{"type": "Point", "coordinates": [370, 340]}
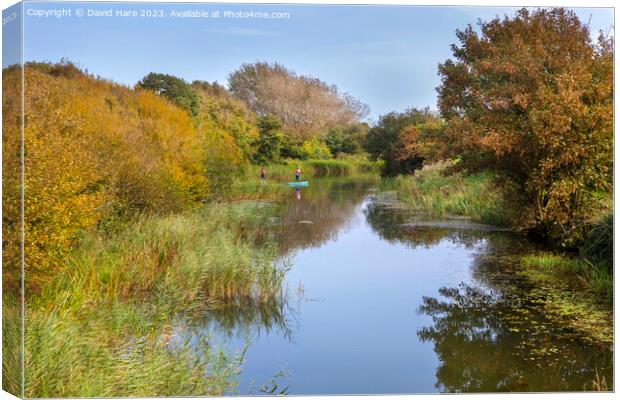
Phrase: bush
{"type": "Point", "coordinates": [433, 191]}
{"type": "Point", "coordinates": [330, 167]}
{"type": "Point", "coordinates": [96, 151]}
{"type": "Point", "coordinates": [396, 140]}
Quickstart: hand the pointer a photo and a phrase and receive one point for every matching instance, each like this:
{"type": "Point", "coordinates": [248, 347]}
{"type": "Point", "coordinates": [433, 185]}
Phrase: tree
{"type": "Point", "coordinates": [269, 141]}
{"type": "Point", "coordinates": [532, 98]}
{"type": "Point", "coordinates": [347, 139]}
{"type": "Point", "coordinates": [177, 90]}
{"type": "Point", "coordinates": [306, 105]}
{"type": "Point", "coordinates": [393, 139]}
{"type": "Point", "coordinates": [221, 113]}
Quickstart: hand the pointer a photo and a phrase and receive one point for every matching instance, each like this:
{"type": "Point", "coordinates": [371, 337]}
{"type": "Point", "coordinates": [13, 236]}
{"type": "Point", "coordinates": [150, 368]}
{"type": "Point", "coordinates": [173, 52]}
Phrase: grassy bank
{"type": "Point", "coordinates": [102, 326]}
{"type": "Point", "coordinates": [432, 192]}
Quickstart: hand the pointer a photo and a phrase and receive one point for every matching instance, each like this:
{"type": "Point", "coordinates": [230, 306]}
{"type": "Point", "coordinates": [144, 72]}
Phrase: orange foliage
{"type": "Point", "coordinates": [532, 98]}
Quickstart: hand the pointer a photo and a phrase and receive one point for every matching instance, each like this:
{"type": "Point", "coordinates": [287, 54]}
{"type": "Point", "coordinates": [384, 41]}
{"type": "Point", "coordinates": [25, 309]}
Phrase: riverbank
{"type": "Point", "coordinates": [430, 191]}
{"type": "Point", "coordinates": [102, 326]}
{"type": "Point", "coordinates": [577, 291]}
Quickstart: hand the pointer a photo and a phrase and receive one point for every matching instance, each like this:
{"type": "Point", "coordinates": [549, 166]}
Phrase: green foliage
{"type": "Point", "coordinates": [331, 167]}
{"type": "Point", "coordinates": [531, 97]}
{"type": "Point", "coordinates": [315, 149]}
{"type": "Point", "coordinates": [220, 113]}
{"type": "Point", "coordinates": [228, 132]}
{"type": "Point", "coordinates": [343, 140]}
{"type": "Point", "coordinates": [270, 140]}
{"type": "Point", "coordinates": [394, 140]}
{"type": "Point", "coordinates": [224, 162]}
{"type": "Point", "coordinates": [177, 90]}
{"type": "Point", "coordinates": [290, 148]}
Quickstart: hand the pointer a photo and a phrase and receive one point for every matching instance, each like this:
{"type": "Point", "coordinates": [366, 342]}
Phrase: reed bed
{"type": "Point", "coordinates": [103, 326]}
{"type": "Point", "coordinates": [430, 190]}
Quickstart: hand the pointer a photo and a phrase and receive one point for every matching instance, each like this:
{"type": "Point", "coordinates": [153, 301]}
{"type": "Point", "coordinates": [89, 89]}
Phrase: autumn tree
{"type": "Point", "coordinates": [270, 140]}
{"type": "Point", "coordinates": [531, 97]}
{"type": "Point", "coordinates": [220, 112]}
{"type": "Point", "coordinates": [306, 105]}
{"type": "Point", "coordinates": [394, 139]}
{"type": "Point", "coordinates": [174, 89]}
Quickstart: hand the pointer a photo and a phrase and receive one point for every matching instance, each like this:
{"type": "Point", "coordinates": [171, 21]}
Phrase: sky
{"type": "Point", "coordinates": [386, 56]}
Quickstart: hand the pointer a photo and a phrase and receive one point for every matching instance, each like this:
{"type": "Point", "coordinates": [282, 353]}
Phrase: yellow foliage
{"type": "Point", "coordinates": [93, 150]}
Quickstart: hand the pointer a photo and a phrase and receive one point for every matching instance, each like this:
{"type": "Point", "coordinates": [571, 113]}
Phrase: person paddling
{"type": "Point", "coordinates": [297, 174]}
{"type": "Point", "coordinates": [262, 174]}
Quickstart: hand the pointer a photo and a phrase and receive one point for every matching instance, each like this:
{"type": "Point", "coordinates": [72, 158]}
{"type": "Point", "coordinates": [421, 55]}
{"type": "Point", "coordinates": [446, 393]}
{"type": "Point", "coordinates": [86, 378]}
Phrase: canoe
{"type": "Point", "coordinates": [298, 184]}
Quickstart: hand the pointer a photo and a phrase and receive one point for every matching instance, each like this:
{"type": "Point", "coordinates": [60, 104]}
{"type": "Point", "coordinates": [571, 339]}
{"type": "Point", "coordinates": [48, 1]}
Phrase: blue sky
{"type": "Point", "coordinates": [386, 56]}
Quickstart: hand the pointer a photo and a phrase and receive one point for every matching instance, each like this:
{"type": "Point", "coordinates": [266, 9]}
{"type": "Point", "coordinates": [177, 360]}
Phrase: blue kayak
{"type": "Point", "coordinates": [298, 184]}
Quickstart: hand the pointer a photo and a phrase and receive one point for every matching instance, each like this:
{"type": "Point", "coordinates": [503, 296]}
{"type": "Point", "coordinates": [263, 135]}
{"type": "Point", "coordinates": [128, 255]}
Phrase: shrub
{"type": "Point", "coordinates": [95, 151]}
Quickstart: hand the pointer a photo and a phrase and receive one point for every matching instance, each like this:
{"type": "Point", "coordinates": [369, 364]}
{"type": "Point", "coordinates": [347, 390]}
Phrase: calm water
{"type": "Point", "coordinates": [375, 306]}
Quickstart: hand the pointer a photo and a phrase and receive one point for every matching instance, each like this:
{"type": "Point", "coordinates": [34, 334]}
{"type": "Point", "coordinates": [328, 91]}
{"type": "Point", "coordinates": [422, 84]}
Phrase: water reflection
{"type": "Point", "coordinates": [251, 317]}
{"type": "Point", "coordinates": [489, 342]}
{"type": "Point", "coordinates": [356, 250]}
{"type": "Point", "coordinates": [390, 221]}
{"type": "Point", "coordinates": [319, 215]}
{"type": "Point", "coordinates": [493, 336]}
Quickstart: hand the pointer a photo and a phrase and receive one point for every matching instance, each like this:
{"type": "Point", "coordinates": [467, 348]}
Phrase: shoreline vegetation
{"type": "Point", "coordinates": [103, 326]}
{"type": "Point", "coordinates": [576, 288]}
{"type": "Point", "coordinates": [136, 219]}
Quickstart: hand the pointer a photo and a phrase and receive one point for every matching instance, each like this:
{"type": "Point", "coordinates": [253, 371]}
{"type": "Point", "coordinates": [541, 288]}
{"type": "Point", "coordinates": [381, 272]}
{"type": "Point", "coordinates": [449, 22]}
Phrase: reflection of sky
{"type": "Point", "coordinates": [385, 56]}
{"type": "Point", "coordinates": [356, 330]}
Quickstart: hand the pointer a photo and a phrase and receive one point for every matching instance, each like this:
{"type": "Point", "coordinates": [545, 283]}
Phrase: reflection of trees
{"type": "Point", "coordinates": [388, 221]}
{"type": "Point", "coordinates": [320, 215]}
{"type": "Point", "coordinates": [251, 316]}
{"type": "Point", "coordinates": [487, 341]}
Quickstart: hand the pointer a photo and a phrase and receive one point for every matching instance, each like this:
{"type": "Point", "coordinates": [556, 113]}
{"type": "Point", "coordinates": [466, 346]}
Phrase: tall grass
{"type": "Point", "coordinates": [11, 343]}
{"type": "Point", "coordinates": [598, 245]}
{"type": "Point", "coordinates": [102, 327]}
{"type": "Point", "coordinates": [430, 190]}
